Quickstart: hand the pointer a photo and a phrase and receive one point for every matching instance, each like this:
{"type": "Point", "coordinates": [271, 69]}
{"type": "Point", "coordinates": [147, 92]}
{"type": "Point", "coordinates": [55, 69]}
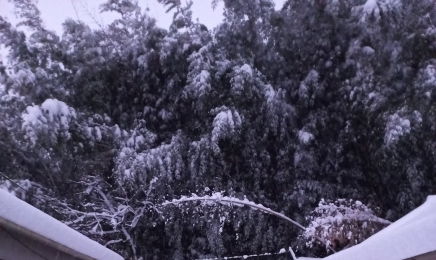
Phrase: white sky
{"type": "Point", "coordinates": [54, 13]}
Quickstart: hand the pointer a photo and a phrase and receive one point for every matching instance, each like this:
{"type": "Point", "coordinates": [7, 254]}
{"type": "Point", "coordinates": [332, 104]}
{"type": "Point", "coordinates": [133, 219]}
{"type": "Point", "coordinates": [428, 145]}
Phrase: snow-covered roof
{"type": "Point", "coordinates": [410, 236]}
{"type": "Point", "coordinates": [17, 214]}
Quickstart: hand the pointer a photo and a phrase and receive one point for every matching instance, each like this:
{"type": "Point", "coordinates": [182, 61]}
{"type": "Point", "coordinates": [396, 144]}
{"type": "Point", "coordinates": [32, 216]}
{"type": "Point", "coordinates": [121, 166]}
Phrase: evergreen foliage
{"type": "Point", "coordinates": [322, 99]}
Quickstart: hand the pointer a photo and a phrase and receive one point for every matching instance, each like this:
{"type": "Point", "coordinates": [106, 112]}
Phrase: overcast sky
{"type": "Point", "coordinates": [54, 12]}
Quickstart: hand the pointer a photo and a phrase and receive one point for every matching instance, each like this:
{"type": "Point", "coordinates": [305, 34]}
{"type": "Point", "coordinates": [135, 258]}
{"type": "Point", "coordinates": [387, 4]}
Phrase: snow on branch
{"type": "Point", "coordinates": [52, 118]}
{"type": "Point", "coordinates": [218, 198]}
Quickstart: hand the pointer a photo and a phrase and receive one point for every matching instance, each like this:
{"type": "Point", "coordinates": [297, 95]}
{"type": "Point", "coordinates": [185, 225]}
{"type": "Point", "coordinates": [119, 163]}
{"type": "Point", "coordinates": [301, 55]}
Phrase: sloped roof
{"type": "Point", "coordinates": [410, 236]}
{"type": "Point", "coordinates": [22, 217]}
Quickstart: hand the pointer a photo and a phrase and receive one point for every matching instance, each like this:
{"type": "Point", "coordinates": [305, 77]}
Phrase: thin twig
{"type": "Point", "coordinates": [19, 186]}
{"type": "Point", "coordinates": [75, 10]}
{"type": "Point", "coordinates": [101, 28]}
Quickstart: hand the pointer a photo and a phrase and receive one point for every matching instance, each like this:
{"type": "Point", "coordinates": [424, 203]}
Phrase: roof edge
{"type": "Point", "coordinates": [29, 233]}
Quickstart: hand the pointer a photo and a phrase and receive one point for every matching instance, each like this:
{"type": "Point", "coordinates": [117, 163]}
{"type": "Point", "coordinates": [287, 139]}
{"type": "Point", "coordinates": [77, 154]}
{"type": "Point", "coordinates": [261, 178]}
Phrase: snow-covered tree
{"type": "Point", "coordinates": [319, 99]}
{"type": "Point", "coordinates": [342, 223]}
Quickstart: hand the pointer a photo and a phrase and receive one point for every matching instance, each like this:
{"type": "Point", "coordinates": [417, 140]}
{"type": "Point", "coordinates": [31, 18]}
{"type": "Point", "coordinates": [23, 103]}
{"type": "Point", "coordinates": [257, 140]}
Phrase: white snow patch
{"type": "Point", "coordinates": [396, 127]}
{"type": "Point", "coordinates": [186, 46]}
{"type": "Point", "coordinates": [53, 116]}
{"type": "Point", "coordinates": [117, 131]}
{"type": "Point", "coordinates": [270, 93]}
{"type": "Point", "coordinates": [142, 61]}
{"type": "Point", "coordinates": [23, 76]}
{"type": "Point", "coordinates": [375, 6]}
{"type": "Point", "coordinates": [368, 50]}
{"type": "Point", "coordinates": [56, 107]}
{"type": "Point", "coordinates": [304, 137]}
{"type": "Point", "coordinates": [429, 75]}
{"type": "Point", "coordinates": [246, 68]}
{"type": "Point", "coordinates": [33, 115]}
{"type": "Point", "coordinates": [97, 133]}
{"type": "Point", "coordinates": [225, 124]}
{"type": "Point", "coordinates": [204, 76]}
{"type": "Point", "coordinates": [370, 6]}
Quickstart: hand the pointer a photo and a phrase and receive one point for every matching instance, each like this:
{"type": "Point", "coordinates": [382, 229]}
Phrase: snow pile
{"type": "Point", "coordinates": [412, 235]}
{"type": "Point", "coordinates": [18, 212]}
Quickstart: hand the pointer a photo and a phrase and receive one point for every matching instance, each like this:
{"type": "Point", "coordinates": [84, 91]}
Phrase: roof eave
{"type": "Point", "coordinates": [29, 233]}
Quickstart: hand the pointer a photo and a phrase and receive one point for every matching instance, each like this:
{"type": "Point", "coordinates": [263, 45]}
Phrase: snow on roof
{"type": "Point", "coordinates": [16, 212]}
{"type": "Point", "coordinates": [410, 236]}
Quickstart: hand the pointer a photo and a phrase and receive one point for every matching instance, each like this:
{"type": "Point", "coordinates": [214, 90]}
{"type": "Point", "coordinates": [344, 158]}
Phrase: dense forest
{"type": "Point", "coordinates": [308, 109]}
